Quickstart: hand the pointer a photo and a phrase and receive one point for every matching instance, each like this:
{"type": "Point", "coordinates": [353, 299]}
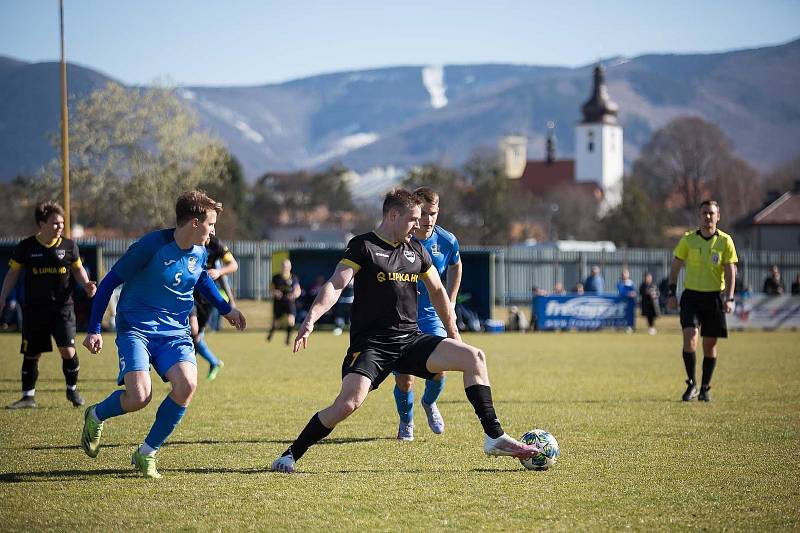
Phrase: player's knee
{"type": "Point", "coordinates": [138, 398]}
{"type": "Point", "coordinates": [405, 382]}
{"type": "Point", "coordinates": [347, 406]}
{"type": "Point", "coordinates": [477, 358]}
{"type": "Point", "coordinates": [184, 389]}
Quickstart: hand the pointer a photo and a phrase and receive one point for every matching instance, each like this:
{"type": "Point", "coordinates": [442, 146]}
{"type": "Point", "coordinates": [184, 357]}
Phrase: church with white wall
{"type": "Point", "coordinates": [598, 165]}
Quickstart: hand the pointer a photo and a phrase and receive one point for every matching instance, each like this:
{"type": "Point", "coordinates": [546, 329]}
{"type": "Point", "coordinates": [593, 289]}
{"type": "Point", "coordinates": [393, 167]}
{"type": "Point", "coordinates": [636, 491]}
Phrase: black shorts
{"type": "Point", "coordinates": [202, 310]}
{"type": "Point", "coordinates": [281, 308]}
{"type": "Point", "coordinates": [41, 321]}
{"type": "Point", "coordinates": [377, 357]}
{"type": "Point", "coordinates": [705, 310]}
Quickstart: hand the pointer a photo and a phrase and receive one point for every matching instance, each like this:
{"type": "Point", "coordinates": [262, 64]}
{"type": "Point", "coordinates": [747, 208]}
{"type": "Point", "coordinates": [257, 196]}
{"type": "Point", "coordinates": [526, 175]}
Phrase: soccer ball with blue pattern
{"type": "Point", "coordinates": [545, 442]}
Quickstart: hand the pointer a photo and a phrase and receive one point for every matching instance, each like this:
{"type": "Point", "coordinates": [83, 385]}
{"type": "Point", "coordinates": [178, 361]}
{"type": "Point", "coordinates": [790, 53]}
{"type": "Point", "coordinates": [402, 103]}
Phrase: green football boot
{"type": "Point", "coordinates": [214, 370]}
{"type": "Point", "coordinates": [92, 431]}
{"type": "Point", "coordinates": [146, 464]}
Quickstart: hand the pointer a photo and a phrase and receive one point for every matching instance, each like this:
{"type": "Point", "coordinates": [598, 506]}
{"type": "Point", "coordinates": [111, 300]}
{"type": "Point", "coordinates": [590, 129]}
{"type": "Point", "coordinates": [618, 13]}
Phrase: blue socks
{"type": "Point", "coordinates": [110, 407]}
{"type": "Point", "coordinates": [205, 352]}
{"type": "Point", "coordinates": [405, 404]}
{"type": "Point", "coordinates": [167, 417]}
{"type": "Point", "coordinates": [405, 400]}
{"type": "Point", "coordinates": [433, 389]}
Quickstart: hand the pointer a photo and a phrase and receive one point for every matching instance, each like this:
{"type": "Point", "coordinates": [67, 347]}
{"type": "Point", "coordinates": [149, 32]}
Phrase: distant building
{"type": "Point", "coordinates": [598, 165]}
{"type": "Point", "coordinates": [776, 226]}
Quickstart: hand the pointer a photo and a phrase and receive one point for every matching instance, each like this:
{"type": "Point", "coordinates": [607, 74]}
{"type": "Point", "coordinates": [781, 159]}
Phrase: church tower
{"type": "Point", "coordinates": [598, 143]}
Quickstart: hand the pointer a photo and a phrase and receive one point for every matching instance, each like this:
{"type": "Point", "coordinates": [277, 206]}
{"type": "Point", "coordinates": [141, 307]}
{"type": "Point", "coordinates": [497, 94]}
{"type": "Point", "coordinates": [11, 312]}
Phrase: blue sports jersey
{"type": "Point", "coordinates": [159, 280]}
{"type": "Point", "coordinates": [443, 248]}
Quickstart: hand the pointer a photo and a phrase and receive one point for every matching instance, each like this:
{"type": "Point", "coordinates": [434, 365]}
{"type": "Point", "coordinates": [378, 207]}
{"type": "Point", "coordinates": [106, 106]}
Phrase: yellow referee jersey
{"type": "Point", "coordinates": [705, 259]}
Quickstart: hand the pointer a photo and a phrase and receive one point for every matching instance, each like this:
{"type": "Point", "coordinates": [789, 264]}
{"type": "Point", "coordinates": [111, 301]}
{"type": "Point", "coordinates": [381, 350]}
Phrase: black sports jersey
{"type": "Point", "coordinates": [216, 251]}
{"type": "Point", "coordinates": [48, 275]}
{"type": "Point", "coordinates": [385, 285]}
{"type": "Point", "coordinates": [286, 286]}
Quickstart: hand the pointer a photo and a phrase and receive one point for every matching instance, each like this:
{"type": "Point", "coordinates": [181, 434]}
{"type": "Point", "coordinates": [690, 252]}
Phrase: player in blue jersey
{"type": "Point", "coordinates": [160, 272]}
{"type": "Point", "coordinates": [443, 248]}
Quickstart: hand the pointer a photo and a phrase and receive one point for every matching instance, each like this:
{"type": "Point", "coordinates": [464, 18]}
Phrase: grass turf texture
{"type": "Point", "coordinates": [632, 455]}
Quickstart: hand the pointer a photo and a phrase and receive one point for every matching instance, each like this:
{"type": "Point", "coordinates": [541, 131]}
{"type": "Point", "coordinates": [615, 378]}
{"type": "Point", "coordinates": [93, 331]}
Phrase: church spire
{"type": "Point", "coordinates": [600, 108]}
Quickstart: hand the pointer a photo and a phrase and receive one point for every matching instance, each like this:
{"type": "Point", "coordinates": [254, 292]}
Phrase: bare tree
{"type": "Point", "coordinates": [689, 160]}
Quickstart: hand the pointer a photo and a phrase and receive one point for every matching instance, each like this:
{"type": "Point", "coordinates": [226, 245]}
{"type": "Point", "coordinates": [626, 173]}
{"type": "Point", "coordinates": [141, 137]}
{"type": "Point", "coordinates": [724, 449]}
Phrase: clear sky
{"type": "Point", "coordinates": [248, 42]}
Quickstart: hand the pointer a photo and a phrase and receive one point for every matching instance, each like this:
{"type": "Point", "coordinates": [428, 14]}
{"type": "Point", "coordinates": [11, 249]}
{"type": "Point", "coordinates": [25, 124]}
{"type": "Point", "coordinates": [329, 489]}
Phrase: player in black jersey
{"type": "Point", "coordinates": [386, 265]}
{"type": "Point", "coordinates": [48, 262]}
{"type": "Point", "coordinates": [220, 263]}
{"type": "Point", "coordinates": [285, 289]}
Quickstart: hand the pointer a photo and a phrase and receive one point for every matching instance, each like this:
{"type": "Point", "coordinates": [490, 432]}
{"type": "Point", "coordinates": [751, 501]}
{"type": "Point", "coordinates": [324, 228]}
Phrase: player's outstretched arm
{"type": "Point", "coordinates": [441, 302]}
{"type": "Point", "coordinates": [236, 319]}
{"type": "Point", "coordinates": [326, 298]}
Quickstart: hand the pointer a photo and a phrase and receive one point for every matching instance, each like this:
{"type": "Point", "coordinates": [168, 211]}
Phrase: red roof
{"type": "Point", "coordinates": [541, 177]}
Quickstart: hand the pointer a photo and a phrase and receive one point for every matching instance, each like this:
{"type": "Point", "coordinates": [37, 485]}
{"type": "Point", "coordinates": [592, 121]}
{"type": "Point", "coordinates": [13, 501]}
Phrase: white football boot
{"type": "Point", "coordinates": [508, 446]}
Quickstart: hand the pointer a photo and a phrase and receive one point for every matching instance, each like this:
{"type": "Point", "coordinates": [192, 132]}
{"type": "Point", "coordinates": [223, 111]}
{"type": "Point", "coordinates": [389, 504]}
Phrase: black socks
{"type": "Point", "coordinates": [70, 368]}
{"type": "Point", "coordinates": [30, 372]}
{"type": "Point", "coordinates": [311, 434]}
{"type": "Point", "coordinates": [480, 396]}
{"type": "Point", "coordinates": [708, 369]}
{"type": "Point", "coordinates": [689, 361]}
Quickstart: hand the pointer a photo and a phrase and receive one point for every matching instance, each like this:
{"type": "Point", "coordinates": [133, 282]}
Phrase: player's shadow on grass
{"type": "Point", "coordinates": [213, 442]}
{"type": "Point", "coordinates": [60, 475]}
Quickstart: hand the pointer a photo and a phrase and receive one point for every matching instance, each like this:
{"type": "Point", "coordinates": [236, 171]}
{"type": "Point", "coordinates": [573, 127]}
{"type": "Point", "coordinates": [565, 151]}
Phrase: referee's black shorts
{"type": "Point", "coordinates": [377, 356]}
{"type": "Point", "coordinates": [40, 321]}
{"type": "Point", "coordinates": [705, 310]}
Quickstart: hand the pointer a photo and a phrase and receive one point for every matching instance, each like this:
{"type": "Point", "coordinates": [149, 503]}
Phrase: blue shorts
{"type": "Point", "coordinates": [137, 352]}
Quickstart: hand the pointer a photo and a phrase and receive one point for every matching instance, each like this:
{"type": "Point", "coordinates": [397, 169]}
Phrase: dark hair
{"type": "Point", "coordinates": [426, 194]}
{"type": "Point", "coordinates": [708, 203]}
{"type": "Point", "coordinates": [401, 199]}
{"type": "Point", "coordinates": [195, 204]}
{"type": "Point", "coordinates": [45, 209]}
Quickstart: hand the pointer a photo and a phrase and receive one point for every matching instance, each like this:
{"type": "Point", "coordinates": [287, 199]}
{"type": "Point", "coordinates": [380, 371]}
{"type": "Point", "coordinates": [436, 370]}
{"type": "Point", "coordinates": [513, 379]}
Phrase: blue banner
{"type": "Point", "coordinates": [594, 311]}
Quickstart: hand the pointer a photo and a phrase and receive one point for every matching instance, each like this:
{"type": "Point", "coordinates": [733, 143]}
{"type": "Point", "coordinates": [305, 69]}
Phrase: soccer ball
{"type": "Point", "coordinates": [545, 442]}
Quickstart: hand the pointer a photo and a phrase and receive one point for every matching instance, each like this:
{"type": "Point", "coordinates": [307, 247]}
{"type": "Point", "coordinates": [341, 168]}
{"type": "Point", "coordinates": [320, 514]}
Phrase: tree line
{"type": "Point", "coordinates": [132, 151]}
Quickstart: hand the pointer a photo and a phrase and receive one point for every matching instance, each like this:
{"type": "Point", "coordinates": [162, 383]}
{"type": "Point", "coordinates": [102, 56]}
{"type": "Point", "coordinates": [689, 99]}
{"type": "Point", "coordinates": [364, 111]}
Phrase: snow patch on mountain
{"type": "Point", "coordinates": [433, 80]}
{"type": "Point", "coordinates": [345, 145]}
{"type": "Point", "coordinates": [249, 133]}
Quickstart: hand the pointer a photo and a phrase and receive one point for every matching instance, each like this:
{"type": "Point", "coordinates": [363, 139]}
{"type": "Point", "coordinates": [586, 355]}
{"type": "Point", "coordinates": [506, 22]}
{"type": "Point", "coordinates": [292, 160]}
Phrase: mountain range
{"type": "Point", "coordinates": [408, 115]}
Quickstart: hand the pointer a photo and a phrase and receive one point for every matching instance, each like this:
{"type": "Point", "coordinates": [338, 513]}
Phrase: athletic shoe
{"type": "Point", "coordinates": [92, 431]}
{"type": "Point", "coordinates": [508, 446]}
{"type": "Point", "coordinates": [26, 402]}
{"type": "Point", "coordinates": [337, 331]}
{"type": "Point", "coordinates": [405, 432]}
{"type": "Point", "coordinates": [75, 397]}
{"type": "Point", "coordinates": [651, 331]}
{"type": "Point", "coordinates": [214, 370]}
{"type": "Point", "coordinates": [283, 464]}
{"type": "Point", "coordinates": [146, 464]}
{"type": "Point", "coordinates": [704, 396]}
{"type": "Point", "coordinates": [691, 391]}
{"type": "Point", "coordinates": [435, 420]}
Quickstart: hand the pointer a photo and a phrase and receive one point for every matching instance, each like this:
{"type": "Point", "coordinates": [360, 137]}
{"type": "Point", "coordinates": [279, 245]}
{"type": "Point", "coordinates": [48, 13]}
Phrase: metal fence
{"type": "Point", "coordinates": [520, 268]}
{"type": "Point", "coordinates": [516, 269]}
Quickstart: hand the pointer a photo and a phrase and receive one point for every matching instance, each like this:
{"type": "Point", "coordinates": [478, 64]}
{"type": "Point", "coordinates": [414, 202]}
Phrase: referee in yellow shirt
{"type": "Point", "coordinates": [710, 259]}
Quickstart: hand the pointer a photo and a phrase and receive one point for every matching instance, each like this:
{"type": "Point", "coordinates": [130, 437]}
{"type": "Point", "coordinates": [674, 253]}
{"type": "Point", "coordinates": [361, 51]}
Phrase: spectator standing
{"type": "Point", "coordinates": [649, 295]}
{"type": "Point", "coordinates": [773, 285]}
{"type": "Point", "coordinates": [594, 283]}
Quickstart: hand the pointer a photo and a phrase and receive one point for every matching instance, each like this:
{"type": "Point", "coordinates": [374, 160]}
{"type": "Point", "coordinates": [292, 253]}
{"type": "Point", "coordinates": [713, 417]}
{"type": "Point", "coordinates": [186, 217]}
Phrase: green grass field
{"type": "Point", "coordinates": [632, 455]}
